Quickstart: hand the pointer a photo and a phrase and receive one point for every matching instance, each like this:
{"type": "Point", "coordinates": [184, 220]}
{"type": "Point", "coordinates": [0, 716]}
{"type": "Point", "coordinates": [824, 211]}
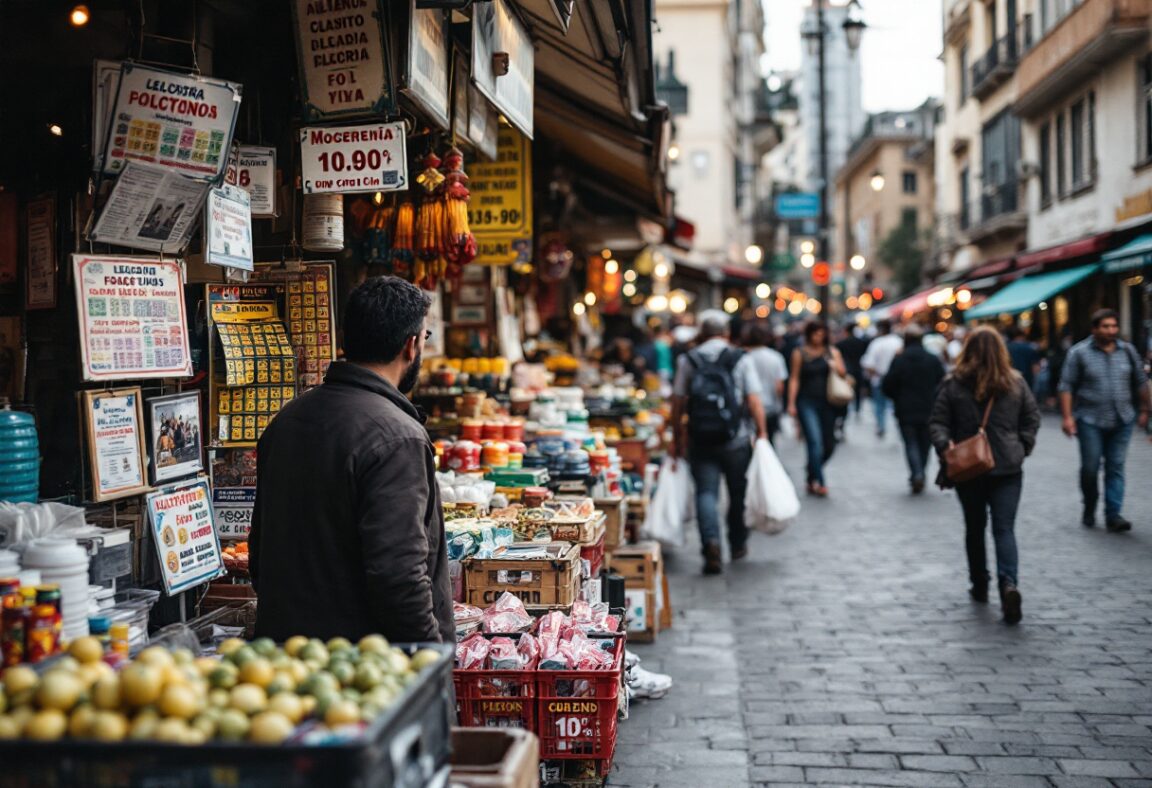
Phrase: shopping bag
{"type": "Point", "coordinates": [672, 506]}
{"type": "Point", "coordinates": [770, 502]}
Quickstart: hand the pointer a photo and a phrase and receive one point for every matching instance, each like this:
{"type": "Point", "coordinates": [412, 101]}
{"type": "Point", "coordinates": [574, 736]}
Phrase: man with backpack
{"type": "Point", "coordinates": [716, 412]}
{"type": "Point", "coordinates": [1103, 390]}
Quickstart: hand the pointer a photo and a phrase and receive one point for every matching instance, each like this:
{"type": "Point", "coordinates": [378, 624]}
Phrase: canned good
{"type": "Point", "coordinates": [464, 457]}
{"type": "Point", "coordinates": [493, 431]}
{"type": "Point", "coordinates": [15, 629]}
{"type": "Point", "coordinates": [118, 634]}
{"type": "Point", "coordinates": [514, 430]}
{"type": "Point", "coordinates": [42, 638]}
{"type": "Point", "coordinates": [495, 455]}
{"type": "Point", "coordinates": [515, 460]}
{"type": "Point", "coordinates": [471, 429]}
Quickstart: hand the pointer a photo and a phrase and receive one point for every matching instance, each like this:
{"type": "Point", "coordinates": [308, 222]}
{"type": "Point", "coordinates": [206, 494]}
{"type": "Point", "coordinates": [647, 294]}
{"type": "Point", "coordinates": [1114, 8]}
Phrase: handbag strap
{"type": "Point", "coordinates": [987, 413]}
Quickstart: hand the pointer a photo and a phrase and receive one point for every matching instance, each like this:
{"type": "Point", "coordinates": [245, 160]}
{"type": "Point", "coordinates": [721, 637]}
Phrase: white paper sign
{"type": "Point", "coordinates": [496, 29]}
{"type": "Point", "coordinates": [253, 169]}
{"type": "Point", "coordinates": [348, 159]}
{"type": "Point", "coordinates": [232, 507]}
{"type": "Point", "coordinates": [116, 435]}
{"type": "Point", "coordinates": [428, 62]}
{"type": "Point", "coordinates": [178, 121]}
{"type": "Point", "coordinates": [185, 536]}
{"type": "Point", "coordinates": [150, 208]}
{"type": "Point", "coordinates": [342, 57]}
{"type": "Point", "coordinates": [228, 228]}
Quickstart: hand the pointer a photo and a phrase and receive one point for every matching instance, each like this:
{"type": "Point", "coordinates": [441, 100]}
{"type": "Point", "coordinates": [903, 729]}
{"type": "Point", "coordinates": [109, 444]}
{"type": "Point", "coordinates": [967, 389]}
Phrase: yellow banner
{"type": "Point", "coordinates": [242, 311]}
{"type": "Point", "coordinates": [500, 210]}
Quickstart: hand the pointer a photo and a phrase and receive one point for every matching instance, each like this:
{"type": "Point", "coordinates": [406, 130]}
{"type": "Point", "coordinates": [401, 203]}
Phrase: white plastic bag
{"type": "Point", "coordinates": [672, 506]}
{"type": "Point", "coordinates": [771, 499]}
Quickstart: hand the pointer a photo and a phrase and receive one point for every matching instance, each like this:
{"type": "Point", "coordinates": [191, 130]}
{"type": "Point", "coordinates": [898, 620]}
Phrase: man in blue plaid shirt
{"type": "Point", "coordinates": [1103, 391]}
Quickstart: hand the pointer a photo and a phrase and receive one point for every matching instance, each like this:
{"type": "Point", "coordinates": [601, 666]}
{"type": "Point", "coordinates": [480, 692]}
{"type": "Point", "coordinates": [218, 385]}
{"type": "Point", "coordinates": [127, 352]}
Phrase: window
{"type": "Point", "coordinates": [964, 73]}
{"type": "Point", "coordinates": [909, 182]}
{"type": "Point", "coordinates": [1045, 164]}
{"type": "Point", "coordinates": [1144, 109]}
{"type": "Point", "coordinates": [1082, 141]}
{"type": "Point", "coordinates": [1076, 129]}
{"type": "Point", "coordinates": [964, 198]}
{"type": "Point", "coordinates": [1061, 177]}
{"type": "Point", "coordinates": [908, 217]}
{"type": "Point", "coordinates": [1000, 153]}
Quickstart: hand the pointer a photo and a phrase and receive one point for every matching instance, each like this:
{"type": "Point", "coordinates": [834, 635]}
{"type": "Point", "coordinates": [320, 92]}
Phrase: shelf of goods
{"type": "Point", "coordinates": [308, 713]}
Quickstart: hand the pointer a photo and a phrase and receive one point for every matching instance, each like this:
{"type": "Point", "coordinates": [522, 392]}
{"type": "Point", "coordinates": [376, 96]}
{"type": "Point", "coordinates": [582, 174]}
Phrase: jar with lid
{"type": "Point", "coordinates": [13, 630]}
{"type": "Point", "coordinates": [118, 633]}
{"type": "Point", "coordinates": [99, 627]}
{"type": "Point", "coordinates": [464, 457]}
{"type": "Point", "coordinates": [42, 638]}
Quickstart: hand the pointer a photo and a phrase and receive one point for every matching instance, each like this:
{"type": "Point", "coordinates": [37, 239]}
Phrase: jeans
{"type": "Point", "coordinates": [1111, 446]}
{"type": "Point", "coordinates": [880, 405]}
{"type": "Point", "coordinates": [772, 423]}
{"type": "Point", "coordinates": [1001, 496]}
{"type": "Point", "coordinates": [917, 446]}
{"type": "Point", "coordinates": [708, 465]}
{"type": "Point", "coordinates": [818, 419]}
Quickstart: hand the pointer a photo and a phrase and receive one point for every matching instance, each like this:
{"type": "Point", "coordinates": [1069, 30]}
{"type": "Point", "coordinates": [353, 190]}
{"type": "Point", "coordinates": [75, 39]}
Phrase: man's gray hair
{"type": "Point", "coordinates": [713, 323]}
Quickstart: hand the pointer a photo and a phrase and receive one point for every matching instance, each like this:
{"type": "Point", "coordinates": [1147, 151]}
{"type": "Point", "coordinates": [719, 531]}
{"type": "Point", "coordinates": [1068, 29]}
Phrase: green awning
{"type": "Point", "coordinates": [1134, 254]}
{"type": "Point", "coordinates": [1028, 292]}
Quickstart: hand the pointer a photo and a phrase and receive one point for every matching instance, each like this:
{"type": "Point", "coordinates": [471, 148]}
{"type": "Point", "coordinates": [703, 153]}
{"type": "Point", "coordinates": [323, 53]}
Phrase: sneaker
{"type": "Point", "coordinates": [1010, 599]}
{"type": "Point", "coordinates": [1088, 518]}
{"type": "Point", "coordinates": [979, 594]}
{"type": "Point", "coordinates": [713, 565]}
{"type": "Point", "coordinates": [646, 684]}
{"type": "Point", "coordinates": [1118, 524]}
{"type": "Point", "coordinates": [631, 659]}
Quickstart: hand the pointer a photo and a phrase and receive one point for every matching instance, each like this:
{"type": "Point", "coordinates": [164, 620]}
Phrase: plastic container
{"type": "Point", "coordinates": [472, 430]}
{"type": "Point", "coordinates": [464, 457]}
{"type": "Point", "coordinates": [577, 710]}
{"type": "Point", "coordinates": [19, 456]}
{"type": "Point", "coordinates": [496, 698]}
{"type": "Point", "coordinates": [495, 455]}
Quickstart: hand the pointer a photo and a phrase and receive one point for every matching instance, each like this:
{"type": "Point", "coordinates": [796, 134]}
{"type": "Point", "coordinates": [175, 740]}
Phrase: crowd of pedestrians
{"type": "Point", "coordinates": [967, 394]}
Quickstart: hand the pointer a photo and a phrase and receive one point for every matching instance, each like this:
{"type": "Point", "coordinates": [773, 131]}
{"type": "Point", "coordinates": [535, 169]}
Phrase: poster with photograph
{"type": "Point", "coordinates": [132, 320]}
{"type": "Point", "coordinates": [233, 491]}
{"type": "Point", "coordinates": [175, 435]}
{"type": "Point", "coordinates": [150, 208]}
{"type": "Point", "coordinates": [181, 122]}
{"type": "Point", "coordinates": [185, 536]}
{"type": "Point", "coordinates": [115, 443]}
{"type": "Point", "coordinates": [40, 283]}
{"type": "Point", "coordinates": [228, 228]}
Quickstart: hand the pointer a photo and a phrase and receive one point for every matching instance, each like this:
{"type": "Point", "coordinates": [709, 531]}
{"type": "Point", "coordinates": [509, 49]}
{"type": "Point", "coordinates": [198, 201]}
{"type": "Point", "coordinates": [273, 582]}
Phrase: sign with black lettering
{"type": "Point", "coordinates": [348, 159]}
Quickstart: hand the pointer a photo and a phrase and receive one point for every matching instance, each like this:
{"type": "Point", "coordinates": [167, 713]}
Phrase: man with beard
{"type": "Point", "coordinates": [347, 533]}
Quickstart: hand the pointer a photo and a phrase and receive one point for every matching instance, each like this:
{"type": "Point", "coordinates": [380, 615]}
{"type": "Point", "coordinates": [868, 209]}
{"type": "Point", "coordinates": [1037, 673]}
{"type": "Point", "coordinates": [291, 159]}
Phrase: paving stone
{"type": "Point", "coordinates": [938, 763]}
{"type": "Point", "coordinates": [1088, 768]}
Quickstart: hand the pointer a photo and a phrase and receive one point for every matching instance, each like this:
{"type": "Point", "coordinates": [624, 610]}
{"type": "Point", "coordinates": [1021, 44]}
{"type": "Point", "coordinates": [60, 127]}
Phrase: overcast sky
{"type": "Point", "coordinates": [899, 50]}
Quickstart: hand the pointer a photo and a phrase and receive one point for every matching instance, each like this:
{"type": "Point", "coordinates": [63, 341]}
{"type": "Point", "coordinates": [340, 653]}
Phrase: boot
{"type": "Point", "coordinates": [713, 565]}
{"type": "Point", "coordinates": [1010, 601]}
{"type": "Point", "coordinates": [1089, 486]}
{"type": "Point", "coordinates": [979, 589]}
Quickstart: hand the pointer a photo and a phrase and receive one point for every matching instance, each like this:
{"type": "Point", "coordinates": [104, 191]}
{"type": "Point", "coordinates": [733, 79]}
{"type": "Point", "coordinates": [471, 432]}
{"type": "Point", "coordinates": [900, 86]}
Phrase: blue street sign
{"type": "Point", "coordinates": [800, 205]}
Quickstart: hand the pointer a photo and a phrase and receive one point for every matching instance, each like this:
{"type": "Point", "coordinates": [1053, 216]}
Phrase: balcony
{"type": "Point", "coordinates": [995, 67]}
{"type": "Point", "coordinates": [1096, 33]}
{"type": "Point", "coordinates": [997, 213]}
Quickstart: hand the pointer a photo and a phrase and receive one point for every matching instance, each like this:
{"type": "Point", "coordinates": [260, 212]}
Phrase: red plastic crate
{"type": "Point", "coordinates": [576, 711]}
{"type": "Point", "coordinates": [496, 698]}
{"type": "Point", "coordinates": [594, 555]}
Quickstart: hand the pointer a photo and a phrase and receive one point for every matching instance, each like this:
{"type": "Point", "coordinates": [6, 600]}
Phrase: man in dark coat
{"type": "Point", "coordinates": [347, 533]}
{"type": "Point", "coordinates": [911, 384]}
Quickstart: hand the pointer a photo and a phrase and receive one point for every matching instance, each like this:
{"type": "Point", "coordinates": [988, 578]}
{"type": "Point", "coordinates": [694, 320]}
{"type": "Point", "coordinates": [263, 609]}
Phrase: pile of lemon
{"type": "Point", "coordinates": [256, 692]}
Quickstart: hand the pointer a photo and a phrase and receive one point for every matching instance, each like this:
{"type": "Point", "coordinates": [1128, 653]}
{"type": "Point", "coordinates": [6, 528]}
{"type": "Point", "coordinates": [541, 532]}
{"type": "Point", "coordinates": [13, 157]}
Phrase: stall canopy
{"type": "Point", "coordinates": [1028, 292]}
{"type": "Point", "coordinates": [1134, 254]}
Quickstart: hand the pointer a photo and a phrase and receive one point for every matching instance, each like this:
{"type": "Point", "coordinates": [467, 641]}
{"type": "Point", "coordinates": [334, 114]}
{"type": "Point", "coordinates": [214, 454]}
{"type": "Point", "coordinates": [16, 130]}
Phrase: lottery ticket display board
{"type": "Point", "coordinates": [309, 313]}
{"type": "Point", "coordinates": [253, 362]}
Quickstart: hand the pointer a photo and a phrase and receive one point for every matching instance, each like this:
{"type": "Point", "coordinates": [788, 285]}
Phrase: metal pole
{"type": "Point", "coordinates": [823, 245]}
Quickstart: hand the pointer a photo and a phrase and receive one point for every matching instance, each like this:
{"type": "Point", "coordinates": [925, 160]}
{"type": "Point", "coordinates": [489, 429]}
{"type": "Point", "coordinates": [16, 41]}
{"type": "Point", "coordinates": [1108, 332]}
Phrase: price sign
{"type": "Point", "coordinates": [500, 211]}
{"type": "Point", "coordinates": [349, 159]}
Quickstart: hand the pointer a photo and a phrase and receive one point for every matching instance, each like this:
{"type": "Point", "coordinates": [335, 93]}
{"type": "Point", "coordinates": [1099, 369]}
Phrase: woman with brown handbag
{"type": "Point", "coordinates": [984, 424]}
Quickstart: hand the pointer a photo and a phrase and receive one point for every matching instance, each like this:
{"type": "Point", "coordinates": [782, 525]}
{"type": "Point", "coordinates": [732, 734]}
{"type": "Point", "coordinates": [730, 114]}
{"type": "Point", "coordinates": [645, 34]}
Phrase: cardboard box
{"type": "Point", "coordinates": [643, 624]}
{"type": "Point", "coordinates": [615, 514]}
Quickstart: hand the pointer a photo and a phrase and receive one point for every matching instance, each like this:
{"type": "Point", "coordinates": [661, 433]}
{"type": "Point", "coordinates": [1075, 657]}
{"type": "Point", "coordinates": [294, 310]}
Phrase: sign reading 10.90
{"type": "Point", "coordinates": [349, 159]}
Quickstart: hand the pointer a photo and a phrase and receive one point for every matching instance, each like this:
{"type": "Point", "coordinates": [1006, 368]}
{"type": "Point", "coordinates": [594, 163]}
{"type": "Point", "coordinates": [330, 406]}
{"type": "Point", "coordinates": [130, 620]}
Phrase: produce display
{"type": "Point", "coordinates": [258, 692]}
{"type": "Point", "coordinates": [236, 558]}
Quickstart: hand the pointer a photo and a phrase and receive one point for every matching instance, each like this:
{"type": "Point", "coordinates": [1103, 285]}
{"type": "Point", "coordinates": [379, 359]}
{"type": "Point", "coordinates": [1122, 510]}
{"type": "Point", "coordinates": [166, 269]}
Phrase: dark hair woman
{"type": "Point", "coordinates": [808, 399]}
{"type": "Point", "coordinates": [985, 381]}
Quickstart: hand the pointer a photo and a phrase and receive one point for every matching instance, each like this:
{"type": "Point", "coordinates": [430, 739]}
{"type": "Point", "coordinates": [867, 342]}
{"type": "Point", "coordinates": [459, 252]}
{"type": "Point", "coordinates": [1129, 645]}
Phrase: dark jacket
{"type": "Point", "coordinates": [1012, 425]}
{"type": "Point", "coordinates": [347, 533]}
{"type": "Point", "coordinates": [911, 384]}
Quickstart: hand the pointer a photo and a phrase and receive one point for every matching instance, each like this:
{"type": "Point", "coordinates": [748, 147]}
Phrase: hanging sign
{"type": "Point", "coordinates": [496, 30]}
{"type": "Point", "coordinates": [428, 62]}
{"type": "Point", "coordinates": [40, 283]}
{"type": "Point", "coordinates": [228, 228]}
{"type": "Point", "coordinates": [185, 536]}
{"type": "Point", "coordinates": [500, 211]}
{"type": "Point", "coordinates": [176, 120]}
{"type": "Point", "coordinates": [233, 491]}
{"type": "Point", "coordinates": [348, 159]}
{"type": "Point", "coordinates": [105, 84]}
{"type": "Point", "coordinates": [132, 321]}
{"type": "Point", "coordinates": [115, 443]}
{"type": "Point", "coordinates": [344, 64]}
{"type": "Point", "coordinates": [253, 169]}
{"type": "Point", "coordinates": [150, 208]}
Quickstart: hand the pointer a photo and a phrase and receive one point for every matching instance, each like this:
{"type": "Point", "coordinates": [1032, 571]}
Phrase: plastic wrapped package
{"type": "Point", "coordinates": [503, 655]}
{"type": "Point", "coordinates": [472, 652]}
{"type": "Point", "coordinates": [507, 615]}
{"type": "Point", "coordinates": [529, 648]}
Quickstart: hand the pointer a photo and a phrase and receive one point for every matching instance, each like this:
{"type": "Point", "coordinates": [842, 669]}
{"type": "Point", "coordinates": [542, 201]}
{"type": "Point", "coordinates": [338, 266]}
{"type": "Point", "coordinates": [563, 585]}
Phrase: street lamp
{"type": "Point", "coordinates": [816, 37]}
{"type": "Point", "coordinates": [877, 181]}
{"type": "Point", "coordinates": [857, 262]}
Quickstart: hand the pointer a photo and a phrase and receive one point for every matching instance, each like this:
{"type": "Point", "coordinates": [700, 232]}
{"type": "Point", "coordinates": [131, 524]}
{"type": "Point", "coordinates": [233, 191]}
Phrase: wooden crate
{"type": "Point", "coordinates": [646, 587]}
{"type": "Point", "coordinates": [538, 582]}
{"type": "Point", "coordinates": [637, 563]}
{"type": "Point", "coordinates": [615, 513]}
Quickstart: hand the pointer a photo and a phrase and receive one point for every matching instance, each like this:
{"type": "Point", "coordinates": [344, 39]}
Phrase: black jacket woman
{"type": "Point", "coordinates": [984, 374]}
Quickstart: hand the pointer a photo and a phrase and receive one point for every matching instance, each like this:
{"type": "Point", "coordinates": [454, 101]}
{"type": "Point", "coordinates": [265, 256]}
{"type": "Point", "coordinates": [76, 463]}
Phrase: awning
{"type": "Point", "coordinates": [912, 304]}
{"type": "Point", "coordinates": [1028, 292]}
{"type": "Point", "coordinates": [1134, 254]}
{"type": "Point", "coordinates": [1080, 248]}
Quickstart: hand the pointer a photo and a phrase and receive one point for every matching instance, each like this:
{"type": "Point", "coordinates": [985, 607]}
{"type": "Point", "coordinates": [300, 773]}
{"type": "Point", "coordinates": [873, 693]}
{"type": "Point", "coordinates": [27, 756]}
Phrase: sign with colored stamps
{"type": "Point", "coordinates": [185, 535]}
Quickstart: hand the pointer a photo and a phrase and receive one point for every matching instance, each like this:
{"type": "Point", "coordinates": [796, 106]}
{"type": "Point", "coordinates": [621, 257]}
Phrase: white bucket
{"type": "Point", "coordinates": [323, 222]}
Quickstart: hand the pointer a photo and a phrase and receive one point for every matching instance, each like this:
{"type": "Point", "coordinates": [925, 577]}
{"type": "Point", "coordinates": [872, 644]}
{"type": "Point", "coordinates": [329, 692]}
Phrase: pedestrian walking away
{"type": "Point", "coordinates": [347, 531]}
{"type": "Point", "coordinates": [808, 400]}
{"type": "Point", "coordinates": [772, 370]}
{"type": "Point", "coordinates": [984, 394]}
{"type": "Point", "coordinates": [1025, 357]}
{"type": "Point", "coordinates": [876, 361]}
{"type": "Point", "coordinates": [911, 385]}
{"type": "Point", "coordinates": [1103, 392]}
{"type": "Point", "coordinates": [716, 413]}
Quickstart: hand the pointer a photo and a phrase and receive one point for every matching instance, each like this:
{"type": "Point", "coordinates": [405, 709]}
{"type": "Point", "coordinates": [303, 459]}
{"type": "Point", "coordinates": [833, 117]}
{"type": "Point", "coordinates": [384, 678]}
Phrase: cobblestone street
{"type": "Point", "coordinates": [847, 652]}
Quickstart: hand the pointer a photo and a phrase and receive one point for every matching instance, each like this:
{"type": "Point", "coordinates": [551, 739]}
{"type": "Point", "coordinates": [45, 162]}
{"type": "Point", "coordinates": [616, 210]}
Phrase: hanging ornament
{"type": "Point", "coordinates": [430, 177]}
{"type": "Point", "coordinates": [460, 244]}
{"type": "Point", "coordinates": [404, 239]}
{"type": "Point", "coordinates": [429, 265]}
